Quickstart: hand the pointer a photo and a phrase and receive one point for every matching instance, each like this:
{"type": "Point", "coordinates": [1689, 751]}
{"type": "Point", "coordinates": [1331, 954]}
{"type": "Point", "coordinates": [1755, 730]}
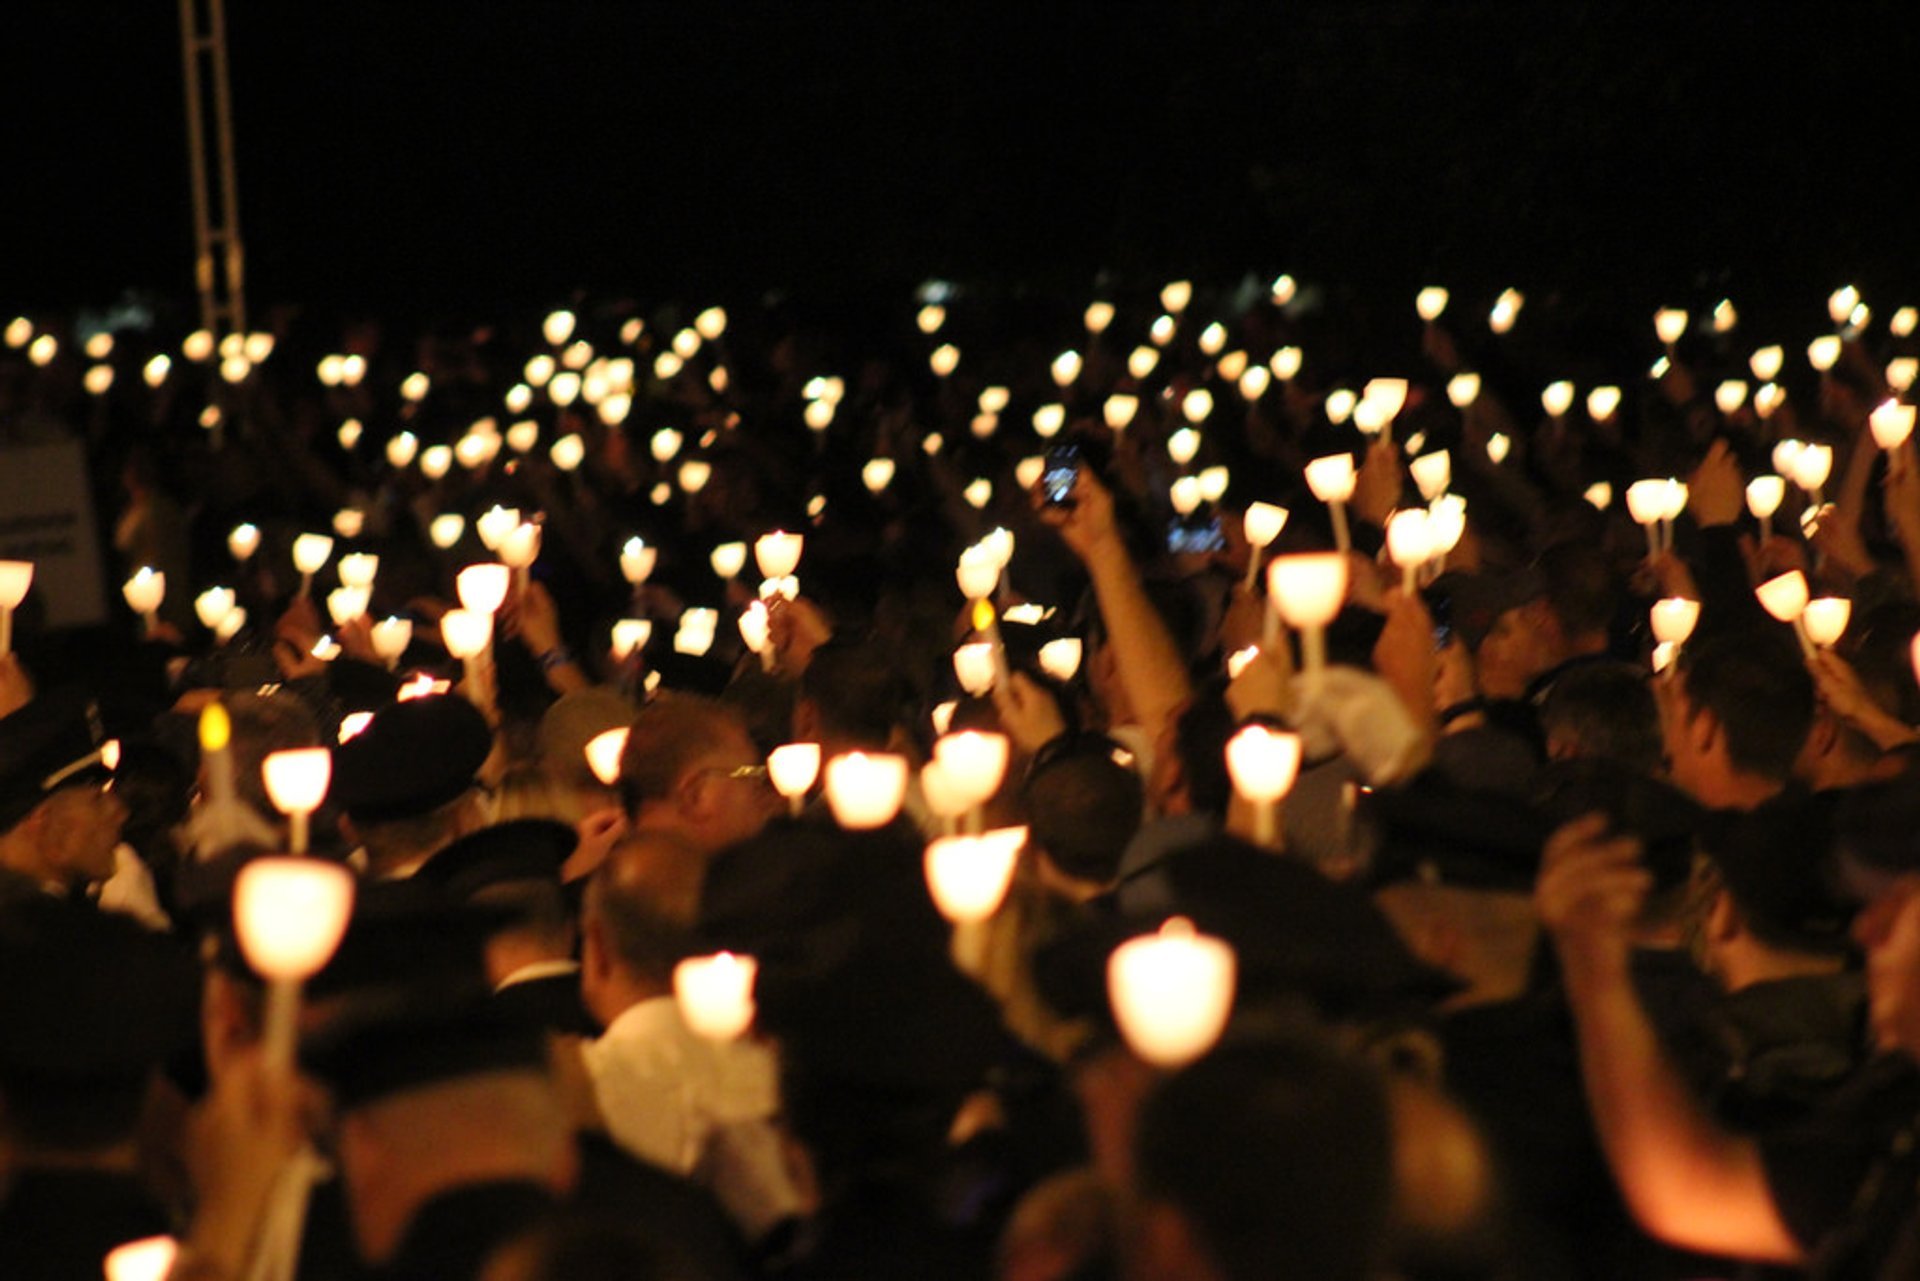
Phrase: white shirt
{"type": "Point", "coordinates": [702, 1108]}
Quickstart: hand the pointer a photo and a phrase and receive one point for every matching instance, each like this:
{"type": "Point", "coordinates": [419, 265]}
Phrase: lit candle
{"type": "Point", "coordinates": [467, 633]}
{"type": "Point", "coordinates": [1825, 619]}
{"type": "Point", "coordinates": [16, 576]}
{"type": "Point", "coordinates": [637, 561]}
{"type": "Point", "coordinates": [792, 768]}
{"type": "Point", "coordinates": [310, 552]}
{"type": "Point", "coordinates": [715, 994]}
{"type": "Point", "coordinates": [1785, 598]}
{"type": "Point", "coordinates": [144, 592]}
{"type": "Point", "coordinates": [1060, 658]}
{"type": "Point", "coordinates": [1261, 524]}
{"type": "Point", "coordinates": [968, 876]}
{"type": "Point", "coordinates": [757, 631]}
{"type": "Point", "coordinates": [1332, 480]}
{"type": "Point", "coordinates": [1171, 992]}
{"type": "Point", "coordinates": [778, 554]}
{"type": "Point", "coordinates": [1308, 590]}
{"type": "Point", "coordinates": [519, 550]}
{"type": "Point", "coordinates": [358, 569]}
{"type": "Point", "coordinates": [243, 542]}
{"type": "Point", "coordinates": [973, 666]}
{"type": "Point", "coordinates": [1674, 619]}
{"type": "Point", "coordinates": [864, 789]}
{"type": "Point", "coordinates": [149, 1259]}
{"type": "Point", "coordinates": [216, 758]}
{"type": "Point", "coordinates": [1891, 423]}
{"type": "Point", "coordinates": [297, 782]}
{"type": "Point", "coordinates": [289, 915]}
{"type": "Point", "coordinates": [975, 763]}
{"type": "Point", "coordinates": [390, 637]}
{"type": "Point", "coordinates": [494, 524]}
{"type": "Point", "coordinates": [1764, 496]}
{"type": "Point", "coordinates": [1647, 503]}
{"type": "Point", "coordinates": [603, 752]}
{"type": "Point", "coordinates": [1432, 473]}
{"type": "Point", "coordinates": [1263, 764]}
{"type": "Point", "coordinates": [1409, 545]}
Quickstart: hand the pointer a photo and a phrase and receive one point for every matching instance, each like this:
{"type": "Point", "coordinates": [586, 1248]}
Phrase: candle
{"type": "Point", "coordinates": [1261, 524]}
{"type": "Point", "coordinates": [1119, 409]}
{"type": "Point", "coordinates": [216, 758]}
{"type": "Point", "coordinates": [1263, 764]}
{"type": "Point", "coordinates": [715, 994]}
{"type": "Point", "coordinates": [603, 752]}
{"type": "Point", "coordinates": [519, 549]}
{"type": "Point", "coordinates": [148, 1259]}
{"type": "Point", "coordinates": [289, 915]}
{"type": "Point", "coordinates": [757, 632]}
{"type": "Point", "coordinates": [1785, 598]}
{"type": "Point", "coordinates": [1430, 302]}
{"type": "Point", "coordinates": [1647, 503]}
{"type": "Point", "coordinates": [877, 474]}
{"type": "Point", "coordinates": [310, 552]}
{"type": "Point", "coordinates": [357, 569]}
{"type": "Point", "coordinates": [637, 560]}
{"type": "Point", "coordinates": [1308, 590]}
{"type": "Point", "coordinates": [975, 763]}
{"type": "Point", "coordinates": [1891, 423]}
{"type": "Point", "coordinates": [792, 768]}
{"type": "Point", "coordinates": [865, 790]}
{"type": "Point", "coordinates": [494, 524]}
{"type": "Point", "coordinates": [243, 542]}
{"type": "Point", "coordinates": [1674, 619]}
{"type": "Point", "coordinates": [778, 554]}
{"type": "Point", "coordinates": [390, 637]}
{"type": "Point", "coordinates": [467, 633]}
{"type": "Point", "coordinates": [16, 576]}
{"type": "Point", "coordinates": [1286, 363]}
{"type": "Point", "coordinates": [1432, 473]}
{"type": "Point", "coordinates": [1409, 545]}
{"type": "Point", "coordinates": [1171, 992]}
{"type": "Point", "coordinates": [1825, 619]}
{"type": "Point", "coordinates": [1332, 480]}
{"type": "Point", "coordinates": [1060, 658]}
{"type": "Point", "coordinates": [968, 876]}
{"type": "Point", "coordinates": [1669, 323]}
{"type": "Point", "coordinates": [483, 588]}
{"type": "Point", "coordinates": [1463, 390]}
{"type": "Point", "coordinates": [144, 592]}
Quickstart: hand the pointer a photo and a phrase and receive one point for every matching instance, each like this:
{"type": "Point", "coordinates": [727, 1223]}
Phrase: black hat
{"type": "Point", "coordinates": [524, 849]}
{"type": "Point", "coordinates": [1436, 831]}
{"type": "Point", "coordinates": [414, 757]}
{"type": "Point", "coordinates": [55, 741]}
{"type": "Point", "coordinates": [90, 997]}
{"type": "Point", "coordinates": [1476, 601]}
{"type": "Point", "coordinates": [404, 1001]}
{"type": "Point", "coordinates": [1662, 817]}
{"type": "Point", "coordinates": [1776, 862]}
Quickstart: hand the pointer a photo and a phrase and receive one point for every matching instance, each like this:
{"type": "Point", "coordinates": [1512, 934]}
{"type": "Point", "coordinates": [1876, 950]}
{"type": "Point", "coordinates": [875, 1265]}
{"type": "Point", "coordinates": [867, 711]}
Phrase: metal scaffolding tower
{"type": "Point", "coordinates": [219, 257]}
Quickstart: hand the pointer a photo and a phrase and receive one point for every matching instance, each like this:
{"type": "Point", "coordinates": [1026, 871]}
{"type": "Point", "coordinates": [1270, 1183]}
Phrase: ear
{"type": "Point", "coordinates": [1724, 923]}
{"type": "Point", "coordinates": [806, 721]}
{"type": "Point", "coordinates": [595, 961]}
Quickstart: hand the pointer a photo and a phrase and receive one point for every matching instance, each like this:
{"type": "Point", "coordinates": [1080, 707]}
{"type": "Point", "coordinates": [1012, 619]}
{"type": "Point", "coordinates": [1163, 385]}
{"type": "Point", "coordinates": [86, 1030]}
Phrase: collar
{"type": "Point", "coordinates": [539, 970]}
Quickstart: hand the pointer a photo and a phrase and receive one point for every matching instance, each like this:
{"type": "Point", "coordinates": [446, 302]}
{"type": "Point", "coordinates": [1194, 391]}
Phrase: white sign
{"type": "Point", "coordinates": [46, 516]}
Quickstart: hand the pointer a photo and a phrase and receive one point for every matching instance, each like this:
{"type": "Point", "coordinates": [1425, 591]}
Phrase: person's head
{"type": "Point", "coordinates": [638, 919]}
{"type": "Point", "coordinates": [565, 729]}
{"type": "Point", "coordinates": [850, 698]}
{"type": "Point", "coordinates": [1264, 1162]}
{"type": "Point", "coordinates": [263, 724]}
{"type": "Point", "coordinates": [691, 769]}
{"type": "Point", "coordinates": [1763, 892]}
{"type": "Point", "coordinates": [91, 1006]}
{"type": "Point", "coordinates": [59, 817]}
{"type": "Point", "coordinates": [1083, 805]}
{"type": "Point", "coordinates": [1888, 930]}
{"type": "Point", "coordinates": [1604, 712]}
{"type": "Point", "coordinates": [407, 782]}
{"type": "Point", "coordinates": [1581, 596]}
{"type": "Point", "coordinates": [1734, 717]}
{"type": "Point", "coordinates": [510, 871]}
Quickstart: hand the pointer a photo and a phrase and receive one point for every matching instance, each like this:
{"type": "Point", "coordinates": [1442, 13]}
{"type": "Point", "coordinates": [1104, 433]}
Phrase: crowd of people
{"type": "Point", "coordinates": [1584, 944]}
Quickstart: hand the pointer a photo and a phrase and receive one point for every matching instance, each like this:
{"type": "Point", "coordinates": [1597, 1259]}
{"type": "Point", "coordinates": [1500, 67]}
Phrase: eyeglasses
{"type": "Point", "coordinates": [738, 771]}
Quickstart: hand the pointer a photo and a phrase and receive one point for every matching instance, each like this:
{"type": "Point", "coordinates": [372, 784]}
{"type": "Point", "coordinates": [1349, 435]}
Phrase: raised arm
{"type": "Point", "coordinates": [1687, 1180]}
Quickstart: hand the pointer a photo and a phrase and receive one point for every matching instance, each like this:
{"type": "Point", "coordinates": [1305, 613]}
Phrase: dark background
{"type": "Point", "coordinates": [473, 157]}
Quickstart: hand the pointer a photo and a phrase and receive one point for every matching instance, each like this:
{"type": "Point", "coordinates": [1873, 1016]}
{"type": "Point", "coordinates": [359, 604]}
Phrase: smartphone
{"type": "Point", "coordinates": [1195, 534]}
{"type": "Point", "coordinates": [1440, 607]}
{"type": "Point", "coordinates": [1063, 468]}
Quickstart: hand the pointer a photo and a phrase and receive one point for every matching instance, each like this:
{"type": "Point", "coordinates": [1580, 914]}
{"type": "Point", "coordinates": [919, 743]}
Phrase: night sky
{"type": "Point", "coordinates": [474, 157]}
